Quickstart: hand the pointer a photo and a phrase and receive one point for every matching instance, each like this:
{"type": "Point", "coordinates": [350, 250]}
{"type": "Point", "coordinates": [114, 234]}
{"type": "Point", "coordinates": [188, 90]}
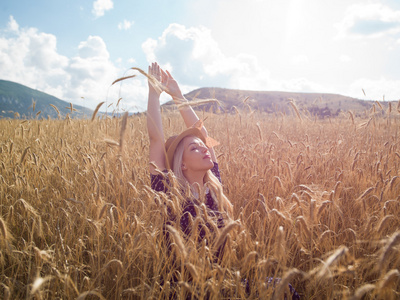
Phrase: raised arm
{"type": "Point", "coordinates": [154, 123]}
{"type": "Point", "coordinates": [188, 114]}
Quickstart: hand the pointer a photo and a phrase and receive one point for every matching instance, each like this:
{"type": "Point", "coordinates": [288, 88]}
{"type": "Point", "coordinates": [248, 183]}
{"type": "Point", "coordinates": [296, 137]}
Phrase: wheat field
{"type": "Point", "coordinates": [316, 203]}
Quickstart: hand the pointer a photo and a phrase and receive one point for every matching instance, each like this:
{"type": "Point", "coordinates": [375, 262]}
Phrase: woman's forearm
{"type": "Point", "coordinates": [188, 114]}
{"type": "Point", "coordinates": [154, 123]}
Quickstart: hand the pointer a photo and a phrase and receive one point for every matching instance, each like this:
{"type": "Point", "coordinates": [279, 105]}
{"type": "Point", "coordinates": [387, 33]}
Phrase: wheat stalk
{"type": "Point", "coordinates": [183, 104]}
{"type": "Point", "coordinates": [333, 259]}
{"type": "Point", "coordinates": [178, 241]}
{"type": "Point", "coordinates": [4, 230]}
{"type": "Point", "coordinates": [383, 224]}
{"type": "Point", "coordinates": [84, 295]}
{"type": "Point", "coordinates": [393, 241]}
{"type": "Point", "coordinates": [56, 109]}
{"type": "Point", "coordinates": [123, 129]}
{"type": "Point", "coordinates": [96, 110]}
{"type": "Point", "coordinates": [24, 154]}
{"type": "Point", "coordinates": [351, 116]}
{"type": "Point", "coordinates": [123, 78]}
{"type": "Point", "coordinates": [223, 234]}
{"type": "Point", "coordinates": [39, 282]}
{"type": "Point", "coordinates": [361, 291]}
{"type": "Point", "coordinates": [296, 110]}
{"type": "Point", "coordinates": [389, 279]}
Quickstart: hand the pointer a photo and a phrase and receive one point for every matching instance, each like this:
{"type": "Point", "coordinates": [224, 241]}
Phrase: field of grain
{"type": "Point", "coordinates": [316, 203]}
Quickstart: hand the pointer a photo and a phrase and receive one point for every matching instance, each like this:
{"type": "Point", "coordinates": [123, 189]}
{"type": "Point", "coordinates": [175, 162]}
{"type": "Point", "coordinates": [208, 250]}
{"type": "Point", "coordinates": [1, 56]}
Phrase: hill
{"type": "Point", "coordinates": [17, 100]}
{"type": "Point", "coordinates": [319, 104]}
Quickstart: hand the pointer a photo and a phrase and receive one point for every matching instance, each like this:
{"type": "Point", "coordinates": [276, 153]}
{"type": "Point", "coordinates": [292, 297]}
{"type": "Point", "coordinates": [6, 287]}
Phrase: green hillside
{"type": "Point", "coordinates": [16, 100]}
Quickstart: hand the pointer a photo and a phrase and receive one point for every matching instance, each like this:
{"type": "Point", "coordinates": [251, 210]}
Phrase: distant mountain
{"type": "Point", "coordinates": [318, 104]}
{"type": "Point", "coordinates": [16, 100]}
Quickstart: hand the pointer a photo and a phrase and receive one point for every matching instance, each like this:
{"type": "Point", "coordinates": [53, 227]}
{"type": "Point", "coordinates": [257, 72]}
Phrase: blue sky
{"type": "Point", "coordinates": [74, 49]}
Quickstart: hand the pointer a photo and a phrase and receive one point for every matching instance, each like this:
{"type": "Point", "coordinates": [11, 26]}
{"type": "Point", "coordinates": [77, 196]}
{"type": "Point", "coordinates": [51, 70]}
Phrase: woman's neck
{"type": "Point", "coordinates": [195, 178]}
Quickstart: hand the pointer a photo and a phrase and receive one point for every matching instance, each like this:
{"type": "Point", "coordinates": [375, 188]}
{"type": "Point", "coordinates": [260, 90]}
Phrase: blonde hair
{"type": "Point", "coordinates": [210, 180]}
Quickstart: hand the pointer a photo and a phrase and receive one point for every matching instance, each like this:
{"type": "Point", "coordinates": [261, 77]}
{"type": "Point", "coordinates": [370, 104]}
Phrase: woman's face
{"type": "Point", "coordinates": [196, 156]}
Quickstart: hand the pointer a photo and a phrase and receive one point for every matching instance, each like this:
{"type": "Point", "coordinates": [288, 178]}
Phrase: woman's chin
{"type": "Point", "coordinates": [207, 164]}
{"type": "Point", "coordinates": [210, 164]}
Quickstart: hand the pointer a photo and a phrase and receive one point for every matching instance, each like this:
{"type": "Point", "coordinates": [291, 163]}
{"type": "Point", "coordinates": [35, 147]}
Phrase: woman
{"type": "Point", "coordinates": [191, 158]}
{"type": "Point", "coordinates": [193, 163]}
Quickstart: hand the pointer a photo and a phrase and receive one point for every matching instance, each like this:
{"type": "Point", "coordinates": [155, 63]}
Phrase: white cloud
{"type": "Point", "coordinates": [345, 58]}
{"type": "Point", "coordinates": [42, 52]}
{"type": "Point", "coordinates": [101, 6]}
{"type": "Point", "coordinates": [301, 85]}
{"type": "Point", "coordinates": [90, 67]}
{"type": "Point", "coordinates": [92, 73]}
{"type": "Point", "coordinates": [300, 59]}
{"type": "Point", "coordinates": [30, 57]}
{"type": "Point", "coordinates": [149, 47]}
{"type": "Point", "coordinates": [12, 25]}
{"type": "Point", "coordinates": [125, 25]}
{"type": "Point", "coordinates": [369, 20]}
{"type": "Point", "coordinates": [93, 47]}
{"type": "Point", "coordinates": [197, 61]}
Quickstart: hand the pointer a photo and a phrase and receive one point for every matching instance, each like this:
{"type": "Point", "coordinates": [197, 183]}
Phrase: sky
{"type": "Point", "coordinates": [75, 50]}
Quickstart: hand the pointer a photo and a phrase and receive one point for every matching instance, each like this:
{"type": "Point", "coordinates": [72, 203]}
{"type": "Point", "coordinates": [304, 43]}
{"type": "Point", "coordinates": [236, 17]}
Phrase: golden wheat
{"type": "Point", "coordinates": [96, 110]}
{"type": "Point", "coordinates": [83, 216]}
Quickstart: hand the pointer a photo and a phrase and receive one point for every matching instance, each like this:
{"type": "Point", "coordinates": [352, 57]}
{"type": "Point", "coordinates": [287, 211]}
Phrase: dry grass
{"type": "Point", "coordinates": [316, 203]}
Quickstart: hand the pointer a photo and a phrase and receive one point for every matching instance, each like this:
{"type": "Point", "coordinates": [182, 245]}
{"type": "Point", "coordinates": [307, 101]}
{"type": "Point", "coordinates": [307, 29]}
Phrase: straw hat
{"type": "Point", "coordinates": [173, 141]}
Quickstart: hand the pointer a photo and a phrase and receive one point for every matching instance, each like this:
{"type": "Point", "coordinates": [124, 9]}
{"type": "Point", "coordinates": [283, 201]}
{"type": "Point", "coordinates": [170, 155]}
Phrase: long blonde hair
{"type": "Point", "coordinates": [210, 180]}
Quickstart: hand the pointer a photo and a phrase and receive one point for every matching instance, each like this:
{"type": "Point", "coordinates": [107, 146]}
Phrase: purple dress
{"type": "Point", "coordinates": [160, 183]}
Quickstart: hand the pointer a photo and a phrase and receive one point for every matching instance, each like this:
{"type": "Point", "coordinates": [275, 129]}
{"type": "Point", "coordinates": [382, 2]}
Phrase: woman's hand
{"type": "Point", "coordinates": [156, 72]}
{"type": "Point", "coordinates": [172, 87]}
